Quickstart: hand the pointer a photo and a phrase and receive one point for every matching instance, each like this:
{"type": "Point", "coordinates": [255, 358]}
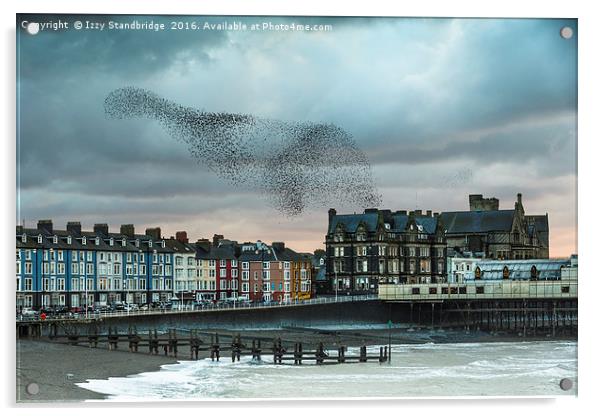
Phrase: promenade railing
{"type": "Point", "coordinates": [179, 309]}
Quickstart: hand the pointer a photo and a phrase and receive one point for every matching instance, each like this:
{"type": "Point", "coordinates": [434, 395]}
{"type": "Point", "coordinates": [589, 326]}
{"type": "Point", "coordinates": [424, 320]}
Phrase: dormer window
{"type": "Point", "coordinates": [55, 239]}
{"type": "Point", "coordinates": [150, 243]}
{"type": "Point", "coordinates": [24, 238]}
{"type": "Point", "coordinates": [137, 243]}
{"type": "Point", "coordinates": [97, 241]}
{"type": "Point", "coordinates": [68, 239]}
{"type": "Point", "coordinates": [111, 241]}
{"type": "Point", "coordinates": [39, 238]}
{"type": "Point", "coordinates": [163, 243]}
{"type": "Point", "coordinates": [123, 242]}
{"type": "Point", "coordinates": [83, 241]}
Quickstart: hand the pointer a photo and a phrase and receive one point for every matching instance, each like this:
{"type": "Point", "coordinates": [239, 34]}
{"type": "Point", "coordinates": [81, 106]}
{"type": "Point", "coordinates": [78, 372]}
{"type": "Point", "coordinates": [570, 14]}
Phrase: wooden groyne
{"type": "Point", "coordinates": [171, 344]}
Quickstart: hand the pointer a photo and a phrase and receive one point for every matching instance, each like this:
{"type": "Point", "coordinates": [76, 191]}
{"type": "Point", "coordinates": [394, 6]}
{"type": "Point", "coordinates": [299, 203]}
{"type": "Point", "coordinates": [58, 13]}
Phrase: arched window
{"type": "Point", "coordinates": [477, 273]}
{"type": "Point", "coordinates": [506, 273]}
{"type": "Point", "coordinates": [533, 272]}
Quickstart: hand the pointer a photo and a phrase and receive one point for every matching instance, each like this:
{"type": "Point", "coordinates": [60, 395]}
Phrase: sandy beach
{"type": "Point", "coordinates": [55, 368]}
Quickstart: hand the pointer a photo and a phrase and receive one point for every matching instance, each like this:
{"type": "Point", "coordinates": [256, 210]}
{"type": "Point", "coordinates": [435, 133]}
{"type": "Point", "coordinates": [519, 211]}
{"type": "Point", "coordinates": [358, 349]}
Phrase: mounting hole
{"type": "Point", "coordinates": [566, 384]}
{"type": "Point", "coordinates": [33, 28]}
{"type": "Point", "coordinates": [32, 388]}
{"type": "Point", "coordinates": [566, 32]}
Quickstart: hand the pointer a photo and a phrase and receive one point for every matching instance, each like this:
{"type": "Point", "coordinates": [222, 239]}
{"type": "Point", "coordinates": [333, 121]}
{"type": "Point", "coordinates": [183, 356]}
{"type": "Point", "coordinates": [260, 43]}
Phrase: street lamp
{"type": "Point", "coordinates": [85, 283]}
{"type": "Point", "coordinates": [336, 282]}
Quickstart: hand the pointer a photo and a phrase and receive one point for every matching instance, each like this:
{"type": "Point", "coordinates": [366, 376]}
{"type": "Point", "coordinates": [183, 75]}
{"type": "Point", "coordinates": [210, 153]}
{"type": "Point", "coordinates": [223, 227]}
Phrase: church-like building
{"type": "Point", "coordinates": [490, 232]}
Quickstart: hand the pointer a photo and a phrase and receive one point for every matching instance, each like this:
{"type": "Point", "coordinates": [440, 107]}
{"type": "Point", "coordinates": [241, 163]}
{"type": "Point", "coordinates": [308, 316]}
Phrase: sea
{"type": "Point", "coordinates": [530, 368]}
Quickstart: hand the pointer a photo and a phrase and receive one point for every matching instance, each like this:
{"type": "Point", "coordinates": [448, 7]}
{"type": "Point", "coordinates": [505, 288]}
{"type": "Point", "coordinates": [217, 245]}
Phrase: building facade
{"type": "Point", "coordinates": [380, 246]}
{"type": "Point", "coordinates": [186, 283]}
{"type": "Point", "coordinates": [75, 268]}
{"type": "Point", "coordinates": [497, 234]}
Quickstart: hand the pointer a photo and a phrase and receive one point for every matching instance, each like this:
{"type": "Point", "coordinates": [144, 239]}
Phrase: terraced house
{"type": "Point", "coordinates": [185, 270]}
{"type": "Point", "coordinates": [296, 273]}
{"type": "Point", "coordinates": [75, 268]}
{"type": "Point", "coordinates": [257, 260]}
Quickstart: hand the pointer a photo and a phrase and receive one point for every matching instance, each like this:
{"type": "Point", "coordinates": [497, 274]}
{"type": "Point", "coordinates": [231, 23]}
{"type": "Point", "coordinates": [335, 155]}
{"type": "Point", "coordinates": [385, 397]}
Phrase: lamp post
{"type": "Point", "coordinates": [182, 289]}
{"type": "Point", "coordinates": [85, 284]}
{"type": "Point", "coordinates": [336, 282]}
{"type": "Point", "coordinates": [42, 280]}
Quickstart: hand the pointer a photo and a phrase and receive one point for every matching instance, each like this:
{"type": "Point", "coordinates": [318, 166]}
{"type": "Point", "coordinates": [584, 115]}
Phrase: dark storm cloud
{"type": "Point", "coordinates": [553, 141]}
{"type": "Point", "coordinates": [78, 54]}
{"type": "Point", "coordinates": [427, 100]}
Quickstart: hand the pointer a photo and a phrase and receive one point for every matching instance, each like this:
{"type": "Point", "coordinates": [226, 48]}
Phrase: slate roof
{"type": "Point", "coordinates": [461, 222]}
{"type": "Point", "coordinates": [539, 224]}
{"type": "Point", "coordinates": [180, 247]}
{"type": "Point", "coordinates": [352, 221]}
{"type": "Point", "coordinates": [321, 275]}
{"type": "Point", "coordinates": [76, 241]}
{"type": "Point", "coordinates": [397, 221]}
{"type": "Point", "coordinates": [259, 255]}
{"type": "Point", "coordinates": [215, 253]}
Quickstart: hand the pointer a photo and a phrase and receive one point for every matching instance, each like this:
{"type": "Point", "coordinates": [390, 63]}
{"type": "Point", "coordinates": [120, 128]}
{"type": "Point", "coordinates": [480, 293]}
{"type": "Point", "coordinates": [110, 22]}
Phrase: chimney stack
{"type": "Point", "coordinates": [216, 238]}
{"type": "Point", "coordinates": [45, 225]}
{"type": "Point", "coordinates": [154, 233]}
{"type": "Point", "coordinates": [101, 229]}
{"type": "Point", "coordinates": [331, 213]}
{"type": "Point", "coordinates": [127, 230]}
{"type": "Point", "coordinates": [74, 227]}
{"type": "Point", "coordinates": [19, 229]}
{"type": "Point", "coordinates": [417, 212]}
{"type": "Point", "coordinates": [204, 244]}
{"type": "Point", "coordinates": [429, 213]}
{"type": "Point", "coordinates": [182, 236]}
{"type": "Point", "coordinates": [278, 246]}
{"type": "Point", "coordinates": [519, 198]}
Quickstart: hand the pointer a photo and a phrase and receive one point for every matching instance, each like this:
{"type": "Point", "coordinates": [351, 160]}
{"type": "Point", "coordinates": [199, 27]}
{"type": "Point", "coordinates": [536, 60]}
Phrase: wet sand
{"type": "Point", "coordinates": [55, 367]}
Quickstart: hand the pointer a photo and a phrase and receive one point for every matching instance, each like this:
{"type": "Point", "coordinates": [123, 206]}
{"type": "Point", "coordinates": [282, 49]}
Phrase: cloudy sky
{"type": "Point", "coordinates": [441, 107]}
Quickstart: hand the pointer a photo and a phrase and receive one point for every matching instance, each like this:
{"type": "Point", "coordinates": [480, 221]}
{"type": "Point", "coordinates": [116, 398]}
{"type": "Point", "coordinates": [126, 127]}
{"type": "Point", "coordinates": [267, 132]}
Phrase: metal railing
{"type": "Point", "coordinates": [202, 308]}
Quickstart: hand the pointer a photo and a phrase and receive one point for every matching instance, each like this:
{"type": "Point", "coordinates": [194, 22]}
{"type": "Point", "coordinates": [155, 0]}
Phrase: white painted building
{"type": "Point", "coordinates": [461, 269]}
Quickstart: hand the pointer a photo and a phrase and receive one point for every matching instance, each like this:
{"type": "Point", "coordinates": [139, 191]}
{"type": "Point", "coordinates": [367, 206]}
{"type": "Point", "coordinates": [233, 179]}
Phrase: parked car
{"type": "Point", "coordinates": [130, 307]}
{"type": "Point", "coordinates": [29, 313]}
